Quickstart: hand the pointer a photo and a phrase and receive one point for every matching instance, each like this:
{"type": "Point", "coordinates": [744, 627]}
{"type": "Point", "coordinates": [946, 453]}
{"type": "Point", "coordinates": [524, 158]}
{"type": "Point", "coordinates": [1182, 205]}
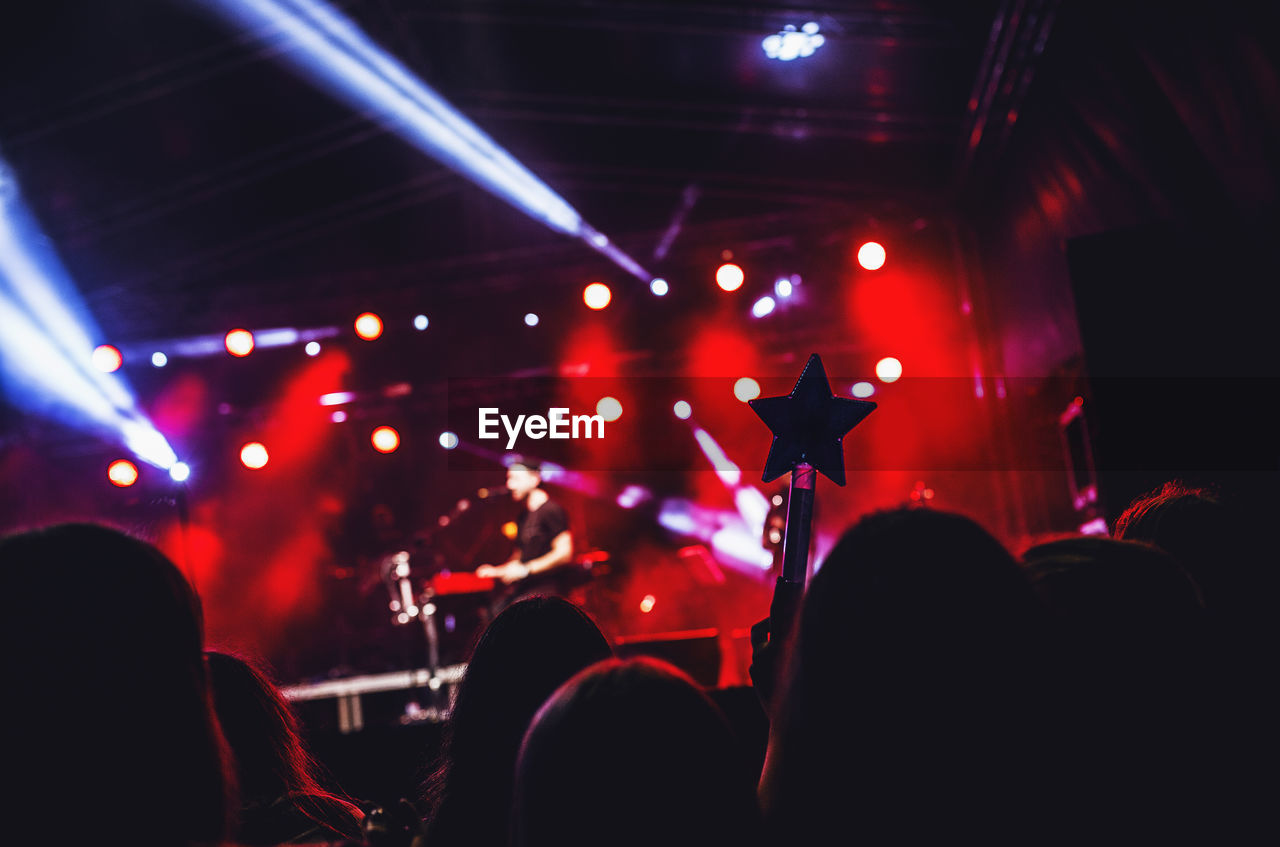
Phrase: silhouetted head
{"type": "Point", "coordinates": [908, 685]}
{"type": "Point", "coordinates": [1109, 597]}
{"type": "Point", "coordinates": [1195, 527]}
{"type": "Point", "coordinates": [632, 753]}
{"type": "Point", "coordinates": [525, 653]}
{"type": "Point", "coordinates": [271, 761]}
{"type": "Point", "coordinates": [929, 588]}
{"type": "Point", "coordinates": [111, 729]}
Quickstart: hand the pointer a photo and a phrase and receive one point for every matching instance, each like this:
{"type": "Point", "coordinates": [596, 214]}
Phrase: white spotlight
{"type": "Point", "coordinates": [790, 44]}
{"type": "Point", "coordinates": [763, 306]}
{"type": "Point", "coordinates": [420, 322]}
{"type": "Point", "coordinates": [312, 348]}
{"type": "Point", "coordinates": [531, 319]}
{"type": "Point", "coordinates": [159, 359]}
{"type": "Point", "coordinates": [659, 287]}
{"type": "Point", "coordinates": [180, 472]}
{"type": "Point", "coordinates": [448, 440]}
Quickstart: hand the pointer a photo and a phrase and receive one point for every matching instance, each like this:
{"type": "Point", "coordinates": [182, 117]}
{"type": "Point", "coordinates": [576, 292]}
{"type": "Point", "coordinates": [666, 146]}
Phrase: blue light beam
{"type": "Point", "coordinates": [46, 345]}
{"type": "Point", "coordinates": [335, 54]}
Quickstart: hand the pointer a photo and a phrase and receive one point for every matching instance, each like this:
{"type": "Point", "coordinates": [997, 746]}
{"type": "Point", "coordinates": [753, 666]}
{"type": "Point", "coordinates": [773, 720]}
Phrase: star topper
{"type": "Point", "coordinates": [809, 424]}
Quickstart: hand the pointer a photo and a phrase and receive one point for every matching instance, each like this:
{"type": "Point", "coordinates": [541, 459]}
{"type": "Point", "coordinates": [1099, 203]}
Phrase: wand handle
{"type": "Point", "coordinates": [789, 589]}
{"type": "Point", "coordinates": [795, 549]}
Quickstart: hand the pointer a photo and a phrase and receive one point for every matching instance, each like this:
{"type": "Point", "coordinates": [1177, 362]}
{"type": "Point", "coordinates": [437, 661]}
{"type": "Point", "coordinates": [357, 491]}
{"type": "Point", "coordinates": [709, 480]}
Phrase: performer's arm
{"type": "Point", "coordinates": [561, 552]}
{"type": "Point", "coordinates": [515, 570]}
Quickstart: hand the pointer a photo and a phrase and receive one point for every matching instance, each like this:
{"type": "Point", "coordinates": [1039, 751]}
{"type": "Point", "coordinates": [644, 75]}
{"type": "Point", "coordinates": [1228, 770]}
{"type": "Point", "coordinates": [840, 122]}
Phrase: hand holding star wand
{"type": "Point", "coordinates": [809, 426]}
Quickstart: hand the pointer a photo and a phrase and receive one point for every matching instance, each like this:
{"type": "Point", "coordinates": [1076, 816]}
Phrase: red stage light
{"type": "Point", "coordinates": [729, 276]}
{"type": "Point", "coordinates": [385, 439]}
{"type": "Point", "coordinates": [239, 342]}
{"type": "Point", "coordinates": [254, 455]}
{"type": "Point", "coordinates": [122, 472]}
{"type": "Point", "coordinates": [368, 326]}
{"type": "Point", "coordinates": [871, 256]}
{"type": "Point", "coordinates": [597, 296]}
{"type": "Point", "coordinates": [647, 604]}
{"type": "Point", "coordinates": [106, 358]}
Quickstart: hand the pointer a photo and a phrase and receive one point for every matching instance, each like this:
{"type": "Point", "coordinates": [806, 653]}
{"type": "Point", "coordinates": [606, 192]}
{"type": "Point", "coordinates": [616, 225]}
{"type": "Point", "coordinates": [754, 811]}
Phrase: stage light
{"type": "Point", "coordinates": [746, 389]}
{"type": "Point", "coordinates": [368, 326]}
{"type": "Point", "coordinates": [682, 409]}
{"type": "Point", "coordinates": [122, 473]}
{"type": "Point", "coordinates": [632, 496]}
{"type": "Point", "coordinates": [254, 455]}
{"type": "Point", "coordinates": [659, 286]}
{"type": "Point", "coordinates": [783, 287]}
{"type": "Point", "coordinates": [159, 359]}
{"type": "Point", "coordinates": [863, 390]}
{"type": "Point", "coordinates": [609, 408]}
{"type": "Point", "coordinates": [531, 319]}
{"type": "Point", "coordinates": [448, 440]}
{"type": "Point", "coordinates": [337, 55]}
{"type": "Point", "coordinates": [871, 256]}
{"type": "Point", "coordinates": [889, 369]}
{"type": "Point", "coordinates": [312, 348]}
{"type": "Point", "coordinates": [597, 296]}
{"type": "Point", "coordinates": [338, 416]}
{"type": "Point", "coordinates": [385, 439]}
{"type": "Point", "coordinates": [239, 342]}
{"type": "Point", "coordinates": [790, 44]}
{"type": "Point", "coordinates": [647, 604]}
{"type": "Point", "coordinates": [180, 472]}
{"type": "Point", "coordinates": [107, 358]}
{"type": "Point", "coordinates": [763, 306]}
{"type": "Point", "coordinates": [336, 398]}
{"type": "Point", "coordinates": [420, 322]}
{"type": "Point", "coordinates": [729, 276]}
{"type": "Point", "coordinates": [46, 352]}
{"type": "Point", "coordinates": [726, 469]}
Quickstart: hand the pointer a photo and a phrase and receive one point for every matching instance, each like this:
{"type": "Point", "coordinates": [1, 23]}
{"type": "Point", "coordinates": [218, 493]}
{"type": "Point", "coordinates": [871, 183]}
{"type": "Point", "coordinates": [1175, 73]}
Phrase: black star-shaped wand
{"type": "Point", "coordinates": [809, 426]}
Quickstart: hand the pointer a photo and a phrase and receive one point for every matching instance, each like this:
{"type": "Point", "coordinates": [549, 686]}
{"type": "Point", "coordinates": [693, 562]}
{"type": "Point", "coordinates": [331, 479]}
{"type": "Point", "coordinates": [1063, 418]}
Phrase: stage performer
{"type": "Point", "coordinates": [543, 540]}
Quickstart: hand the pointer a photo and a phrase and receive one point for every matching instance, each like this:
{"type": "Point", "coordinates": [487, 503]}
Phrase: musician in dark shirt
{"type": "Point", "coordinates": [543, 539]}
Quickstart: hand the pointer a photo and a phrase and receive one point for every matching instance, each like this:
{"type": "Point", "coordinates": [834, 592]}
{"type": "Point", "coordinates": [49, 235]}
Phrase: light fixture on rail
{"type": "Point", "coordinates": [597, 296]}
{"type": "Point", "coordinates": [239, 342]}
{"type": "Point", "coordinates": [107, 358]}
{"type": "Point", "coordinates": [369, 326]}
{"type": "Point", "coordinates": [765, 305]}
{"type": "Point", "coordinates": [871, 255]}
{"type": "Point", "coordinates": [385, 439]}
{"type": "Point", "coordinates": [122, 473]}
{"type": "Point", "coordinates": [791, 43]}
{"type": "Point", "coordinates": [338, 56]}
{"type": "Point", "coordinates": [889, 369]}
{"type": "Point", "coordinates": [729, 276]}
{"type": "Point", "coordinates": [254, 455]}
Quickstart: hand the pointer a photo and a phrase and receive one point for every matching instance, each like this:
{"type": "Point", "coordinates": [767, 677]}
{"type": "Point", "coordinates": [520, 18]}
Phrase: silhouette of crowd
{"type": "Point", "coordinates": [934, 688]}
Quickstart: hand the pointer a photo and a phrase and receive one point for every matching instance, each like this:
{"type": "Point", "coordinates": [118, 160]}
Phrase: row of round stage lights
{"type": "Point", "coordinates": [241, 342]}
